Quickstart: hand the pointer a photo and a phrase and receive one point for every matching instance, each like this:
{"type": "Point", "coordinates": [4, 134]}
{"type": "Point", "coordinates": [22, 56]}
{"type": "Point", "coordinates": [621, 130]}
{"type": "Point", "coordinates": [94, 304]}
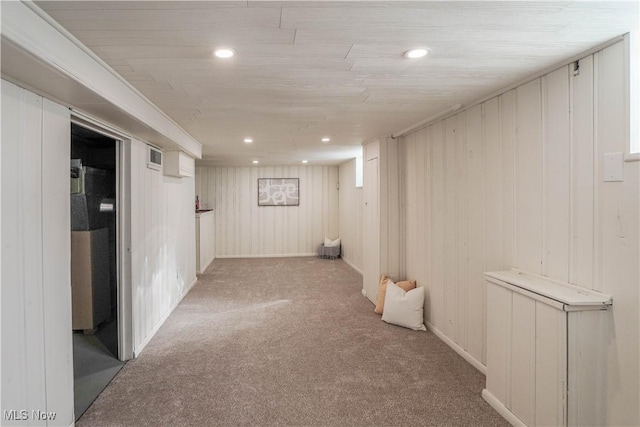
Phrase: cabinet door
{"type": "Point", "coordinates": [523, 352]}
{"type": "Point", "coordinates": [551, 342]}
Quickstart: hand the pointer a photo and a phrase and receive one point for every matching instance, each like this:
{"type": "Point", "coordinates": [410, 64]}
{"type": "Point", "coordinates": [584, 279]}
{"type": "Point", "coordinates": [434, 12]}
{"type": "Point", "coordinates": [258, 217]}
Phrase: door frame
{"type": "Point", "coordinates": [123, 229]}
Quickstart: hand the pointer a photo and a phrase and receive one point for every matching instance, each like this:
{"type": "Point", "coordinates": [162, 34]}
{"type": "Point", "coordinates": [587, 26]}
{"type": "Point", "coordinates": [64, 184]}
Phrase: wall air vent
{"type": "Point", "coordinates": [154, 158]}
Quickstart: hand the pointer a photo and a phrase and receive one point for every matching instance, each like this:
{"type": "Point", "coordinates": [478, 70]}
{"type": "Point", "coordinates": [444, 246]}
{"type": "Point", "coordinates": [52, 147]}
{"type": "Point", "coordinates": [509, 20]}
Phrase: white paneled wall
{"type": "Point", "coordinates": [205, 187]}
{"type": "Point", "coordinates": [517, 182]}
{"type": "Point", "coordinates": [37, 369]}
{"type": "Point", "coordinates": [162, 244]}
{"type": "Point", "coordinates": [350, 216]}
{"type": "Point", "coordinates": [243, 229]}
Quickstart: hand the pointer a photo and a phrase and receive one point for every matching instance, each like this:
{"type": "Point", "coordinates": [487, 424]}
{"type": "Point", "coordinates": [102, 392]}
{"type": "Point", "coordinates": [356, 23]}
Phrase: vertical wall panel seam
{"type": "Point", "coordinates": [483, 144]}
{"type": "Point", "coordinates": [445, 324]}
{"type": "Point", "coordinates": [465, 284]}
{"type": "Point", "coordinates": [443, 293]}
{"type": "Point", "coordinates": [456, 230]}
{"type": "Point", "coordinates": [324, 192]}
{"type": "Point", "coordinates": [544, 99]}
{"type": "Point", "coordinates": [236, 205]}
{"type": "Point", "coordinates": [42, 253]}
{"type": "Point", "coordinates": [338, 201]}
{"type": "Point", "coordinates": [20, 247]}
{"type": "Point", "coordinates": [597, 256]}
{"type": "Point", "coordinates": [572, 225]}
{"type": "Point", "coordinates": [516, 144]}
{"type": "Point", "coordinates": [501, 256]}
{"type": "Point", "coordinates": [287, 240]}
{"type": "Point", "coordinates": [402, 165]}
{"type": "Point", "coordinates": [500, 162]}
{"type": "Point", "coordinates": [238, 200]}
{"type": "Point", "coordinates": [514, 175]}
{"type": "Point", "coordinates": [461, 273]}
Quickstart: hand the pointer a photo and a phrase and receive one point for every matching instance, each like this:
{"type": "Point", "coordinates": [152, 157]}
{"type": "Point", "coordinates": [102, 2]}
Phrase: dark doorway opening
{"type": "Point", "coordinates": [94, 263]}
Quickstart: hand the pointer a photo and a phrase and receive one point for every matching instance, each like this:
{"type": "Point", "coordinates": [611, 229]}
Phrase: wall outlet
{"type": "Point", "coordinates": [364, 293]}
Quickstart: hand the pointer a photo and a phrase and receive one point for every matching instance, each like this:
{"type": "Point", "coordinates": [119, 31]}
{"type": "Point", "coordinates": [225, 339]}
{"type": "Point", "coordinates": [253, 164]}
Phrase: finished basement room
{"type": "Point", "coordinates": [388, 213]}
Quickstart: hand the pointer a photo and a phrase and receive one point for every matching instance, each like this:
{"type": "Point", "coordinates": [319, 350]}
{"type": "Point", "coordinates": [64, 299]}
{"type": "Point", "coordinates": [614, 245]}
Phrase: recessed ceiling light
{"type": "Point", "coordinates": [224, 53]}
{"type": "Point", "coordinates": [305, 161]}
{"type": "Point", "coordinates": [326, 139]}
{"type": "Point", "coordinates": [255, 162]}
{"type": "Point", "coordinates": [248, 140]}
{"type": "Point", "coordinates": [416, 53]}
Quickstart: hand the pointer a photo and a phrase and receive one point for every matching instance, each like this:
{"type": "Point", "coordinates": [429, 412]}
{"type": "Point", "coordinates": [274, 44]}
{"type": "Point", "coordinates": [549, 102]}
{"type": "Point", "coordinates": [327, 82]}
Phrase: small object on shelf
{"type": "Point", "coordinates": [197, 203]}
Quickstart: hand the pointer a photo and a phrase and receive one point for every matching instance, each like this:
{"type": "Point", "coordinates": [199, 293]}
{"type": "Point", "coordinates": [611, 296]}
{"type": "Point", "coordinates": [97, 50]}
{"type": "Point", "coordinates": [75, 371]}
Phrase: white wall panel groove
{"type": "Point", "coordinates": [450, 227]}
{"type": "Point", "coordinates": [582, 176]}
{"type": "Point", "coordinates": [528, 202]}
{"type": "Point", "coordinates": [436, 285]}
{"type": "Point", "coordinates": [475, 235]}
{"type": "Point", "coordinates": [462, 228]}
{"type": "Point", "coordinates": [506, 103]}
{"type": "Point", "coordinates": [557, 171]}
{"type": "Point", "coordinates": [245, 229]}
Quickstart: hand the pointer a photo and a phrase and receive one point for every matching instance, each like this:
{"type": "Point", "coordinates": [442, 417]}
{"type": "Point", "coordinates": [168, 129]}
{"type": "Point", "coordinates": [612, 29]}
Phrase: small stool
{"type": "Point", "coordinates": [329, 252]}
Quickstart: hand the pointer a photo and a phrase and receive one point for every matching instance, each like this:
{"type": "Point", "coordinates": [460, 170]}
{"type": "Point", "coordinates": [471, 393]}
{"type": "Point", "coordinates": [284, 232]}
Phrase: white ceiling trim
{"type": "Point", "coordinates": [31, 30]}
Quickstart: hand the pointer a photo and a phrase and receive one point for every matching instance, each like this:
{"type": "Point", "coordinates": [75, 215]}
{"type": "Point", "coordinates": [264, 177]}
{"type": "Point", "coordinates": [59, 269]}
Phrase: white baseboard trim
{"type": "Point", "coordinates": [461, 351]}
{"type": "Point", "coordinates": [189, 289]}
{"type": "Point", "coordinates": [143, 344]}
{"type": "Point", "coordinates": [206, 266]}
{"type": "Point", "coordinates": [501, 409]}
{"type": "Point", "coordinates": [268, 255]}
{"type": "Point", "coordinates": [350, 264]}
{"type": "Point", "coordinates": [202, 269]}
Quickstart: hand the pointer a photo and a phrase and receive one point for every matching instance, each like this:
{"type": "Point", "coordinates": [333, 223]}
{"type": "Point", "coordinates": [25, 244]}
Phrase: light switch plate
{"type": "Point", "coordinates": [613, 167]}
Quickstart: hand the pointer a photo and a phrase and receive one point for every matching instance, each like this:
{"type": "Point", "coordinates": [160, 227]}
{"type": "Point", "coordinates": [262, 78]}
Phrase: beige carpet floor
{"type": "Point", "coordinates": [289, 341]}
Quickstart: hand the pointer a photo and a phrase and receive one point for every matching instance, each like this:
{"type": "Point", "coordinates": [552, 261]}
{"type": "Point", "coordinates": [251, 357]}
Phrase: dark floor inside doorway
{"type": "Point", "coordinates": [95, 364]}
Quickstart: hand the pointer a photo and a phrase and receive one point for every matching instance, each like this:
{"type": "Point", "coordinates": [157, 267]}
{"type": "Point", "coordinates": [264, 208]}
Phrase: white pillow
{"type": "Point", "coordinates": [328, 243]}
{"type": "Point", "coordinates": [404, 308]}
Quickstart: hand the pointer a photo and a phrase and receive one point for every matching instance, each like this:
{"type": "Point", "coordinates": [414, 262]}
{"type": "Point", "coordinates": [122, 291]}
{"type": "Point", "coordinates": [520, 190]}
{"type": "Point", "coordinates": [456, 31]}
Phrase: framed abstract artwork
{"type": "Point", "coordinates": [278, 192]}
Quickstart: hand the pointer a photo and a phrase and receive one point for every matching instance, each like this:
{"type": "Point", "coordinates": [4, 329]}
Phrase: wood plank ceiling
{"type": "Point", "coordinates": [305, 70]}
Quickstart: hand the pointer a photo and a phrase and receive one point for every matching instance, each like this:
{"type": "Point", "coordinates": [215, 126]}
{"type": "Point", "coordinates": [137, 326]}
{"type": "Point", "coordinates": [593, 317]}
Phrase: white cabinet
{"type": "Point", "coordinates": [543, 349]}
{"type": "Point", "coordinates": [205, 240]}
{"type": "Point", "coordinates": [177, 163]}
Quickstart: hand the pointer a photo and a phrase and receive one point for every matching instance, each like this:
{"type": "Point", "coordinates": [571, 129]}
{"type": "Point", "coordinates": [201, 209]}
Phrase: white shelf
{"type": "Point", "coordinates": [564, 293]}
